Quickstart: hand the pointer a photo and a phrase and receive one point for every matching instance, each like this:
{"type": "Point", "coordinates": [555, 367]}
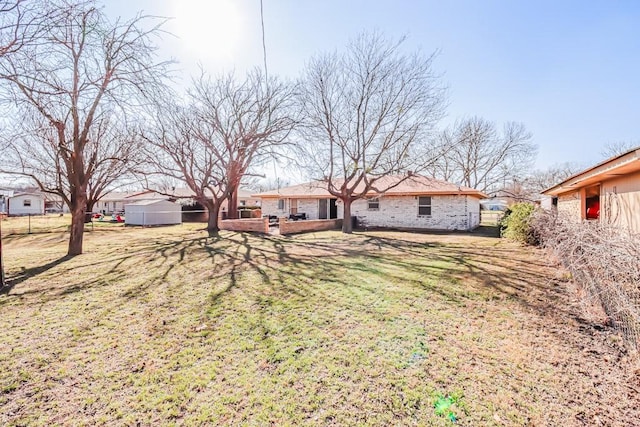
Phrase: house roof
{"type": "Point", "coordinates": [624, 164]}
{"type": "Point", "coordinates": [179, 193]}
{"type": "Point", "coordinates": [148, 202]}
{"type": "Point", "coordinates": [415, 185]}
{"type": "Point", "coordinates": [117, 195]}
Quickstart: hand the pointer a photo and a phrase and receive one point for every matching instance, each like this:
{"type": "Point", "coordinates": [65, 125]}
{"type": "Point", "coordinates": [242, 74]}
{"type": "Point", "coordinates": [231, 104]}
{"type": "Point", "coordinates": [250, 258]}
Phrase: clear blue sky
{"type": "Point", "coordinates": [569, 70]}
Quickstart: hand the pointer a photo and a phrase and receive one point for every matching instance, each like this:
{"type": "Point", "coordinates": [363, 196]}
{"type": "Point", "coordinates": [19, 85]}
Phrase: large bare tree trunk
{"type": "Point", "coordinates": [232, 206]}
{"type": "Point", "coordinates": [78, 210]}
{"type": "Point", "coordinates": [212, 221]}
{"type": "Point", "coordinates": [347, 225]}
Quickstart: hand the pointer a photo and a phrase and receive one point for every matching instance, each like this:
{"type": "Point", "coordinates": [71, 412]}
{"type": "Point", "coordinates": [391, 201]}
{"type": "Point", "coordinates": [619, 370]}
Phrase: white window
{"type": "Point", "coordinates": [374, 204]}
{"type": "Point", "coordinates": [424, 206]}
{"type": "Point", "coordinates": [280, 204]}
{"type": "Point", "coordinates": [26, 202]}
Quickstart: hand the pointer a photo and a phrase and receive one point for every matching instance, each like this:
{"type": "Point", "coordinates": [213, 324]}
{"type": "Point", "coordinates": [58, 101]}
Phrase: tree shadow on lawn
{"type": "Point", "coordinates": [298, 265]}
{"type": "Point", "coordinates": [276, 258]}
{"type": "Point", "coordinates": [307, 271]}
{"type": "Point", "coordinates": [27, 273]}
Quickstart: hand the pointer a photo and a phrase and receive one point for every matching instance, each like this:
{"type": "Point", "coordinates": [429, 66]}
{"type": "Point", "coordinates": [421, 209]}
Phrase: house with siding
{"type": "Point", "coordinates": [608, 192]}
{"type": "Point", "coordinates": [418, 202]}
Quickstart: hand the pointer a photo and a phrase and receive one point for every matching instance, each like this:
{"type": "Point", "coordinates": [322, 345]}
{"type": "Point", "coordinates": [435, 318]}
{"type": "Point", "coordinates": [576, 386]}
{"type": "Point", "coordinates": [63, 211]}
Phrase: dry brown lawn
{"type": "Point", "coordinates": [167, 326]}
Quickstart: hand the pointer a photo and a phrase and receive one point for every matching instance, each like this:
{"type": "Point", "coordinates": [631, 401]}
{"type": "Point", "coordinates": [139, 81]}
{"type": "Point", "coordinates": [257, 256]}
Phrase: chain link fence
{"type": "Point", "coordinates": [49, 223]}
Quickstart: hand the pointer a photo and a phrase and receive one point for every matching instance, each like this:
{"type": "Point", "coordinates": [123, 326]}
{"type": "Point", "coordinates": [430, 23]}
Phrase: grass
{"type": "Point", "coordinates": [169, 326]}
{"type": "Point", "coordinates": [48, 223]}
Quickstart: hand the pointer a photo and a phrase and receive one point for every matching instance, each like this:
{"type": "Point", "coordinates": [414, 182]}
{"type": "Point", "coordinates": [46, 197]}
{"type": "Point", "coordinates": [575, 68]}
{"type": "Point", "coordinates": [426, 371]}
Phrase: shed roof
{"type": "Point", "coordinates": [623, 164]}
{"type": "Point", "coordinates": [150, 202]}
{"type": "Point", "coordinates": [178, 193]}
{"type": "Point", "coordinates": [401, 185]}
{"type": "Point", "coordinates": [29, 194]}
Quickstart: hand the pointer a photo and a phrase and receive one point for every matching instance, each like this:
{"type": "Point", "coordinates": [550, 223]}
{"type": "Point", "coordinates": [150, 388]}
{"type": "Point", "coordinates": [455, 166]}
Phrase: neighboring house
{"type": "Point", "coordinates": [115, 201]}
{"type": "Point", "coordinates": [608, 192]}
{"type": "Point", "coordinates": [26, 204]}
{"type": "Point", "coordinates": [416, 203]}
{"type": "Point", "coordinates": [53, 203]}
{"type": "Point", "coordinates": [152, 212]}
{"type": "Point", "coordinates": [5, 194]}
{"type": "Point", "coordinates": [494, 204]}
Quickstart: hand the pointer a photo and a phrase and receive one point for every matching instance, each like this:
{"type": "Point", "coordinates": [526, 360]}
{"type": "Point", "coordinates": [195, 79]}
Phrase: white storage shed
{"type": "Point", "coordinates": [152, 212]}
{"type": "Point", "coordinates": [26, 204]}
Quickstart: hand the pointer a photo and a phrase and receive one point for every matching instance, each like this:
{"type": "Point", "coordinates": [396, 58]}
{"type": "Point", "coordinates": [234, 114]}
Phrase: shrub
{"type": "Point", "coordinates": [603, 260]}
{"type": "Point", "coordinates": [516, 223]}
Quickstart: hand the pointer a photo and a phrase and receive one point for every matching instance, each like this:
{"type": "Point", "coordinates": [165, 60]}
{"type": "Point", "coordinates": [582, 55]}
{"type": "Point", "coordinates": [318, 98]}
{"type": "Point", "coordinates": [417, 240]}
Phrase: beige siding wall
{"type": "Point", "coordinates": [570, 205]}
{"type": "Point", "coordinates": [620, 202]}
{"type": "Point", "coordinates": [454, 212]}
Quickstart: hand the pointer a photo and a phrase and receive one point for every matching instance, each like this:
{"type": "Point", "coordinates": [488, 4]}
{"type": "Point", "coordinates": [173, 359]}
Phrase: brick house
{"type": "Point", "coordinates": [416, 203]}
{"type": "Point", "coordinates": [608, 192]}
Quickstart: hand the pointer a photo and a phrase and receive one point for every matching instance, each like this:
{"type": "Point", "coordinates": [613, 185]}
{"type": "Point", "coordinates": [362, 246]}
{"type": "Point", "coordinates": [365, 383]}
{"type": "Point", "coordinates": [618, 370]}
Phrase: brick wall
{"type": "Point", "coordinates": [570, 204]}
{"type": "Point", "coordinates": [308, 206]}
{"type": "Point", "coordinates": [269, 206]}
{"type": "Point", "coordinates": [449, 212]}
{"type": "Point", "coordinates": [291, 227]}
{"type": "Point", "coordinates": [260, 225]}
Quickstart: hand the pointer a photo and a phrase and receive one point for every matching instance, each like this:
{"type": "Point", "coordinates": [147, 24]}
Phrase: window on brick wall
{"type": "Point", "coordinates": [281, 204]}
{"type": "Point", "coordinates": [424, 206]}
{"type": "Point", "coordinates": [373, 204]}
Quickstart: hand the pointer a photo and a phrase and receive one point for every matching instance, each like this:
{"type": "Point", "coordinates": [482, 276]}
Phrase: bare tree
{"type": "Point", "coordinates": [267, 184]}
{"type": "Point", "coordinates": [16, 23]}
{"type": "Point", "coordinates": [81, 71]}
{"type": "Point", "coordinates": [541, 180]}
{"type": "Point", "coordinates": [530, 188]}
{"type": "Point", "coordinates": [613, 149]}
{"type": "Point", "coordinates": [176, 154]}
{"type": "Point", "coordinates": [228, 128]}
{"type": "Point", "coordinates": [481, 157]}
{"type": "Point", "coordinates": [368, 114]}
{"type": "Point", "coordinates": [19, 22]}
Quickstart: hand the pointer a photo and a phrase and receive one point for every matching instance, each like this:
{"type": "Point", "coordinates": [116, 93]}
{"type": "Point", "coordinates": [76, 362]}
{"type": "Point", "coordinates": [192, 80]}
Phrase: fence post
{"type": "Point", "coordinates": [29, 215]}
{"type": "Point", "coordinates": [2, 282]}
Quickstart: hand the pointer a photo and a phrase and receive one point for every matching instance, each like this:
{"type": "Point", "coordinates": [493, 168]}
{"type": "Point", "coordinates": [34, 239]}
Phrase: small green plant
{"type": "Point", "coordinates": [444, 407]}
{"type": "Point", "coordinates": [516, 224]}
